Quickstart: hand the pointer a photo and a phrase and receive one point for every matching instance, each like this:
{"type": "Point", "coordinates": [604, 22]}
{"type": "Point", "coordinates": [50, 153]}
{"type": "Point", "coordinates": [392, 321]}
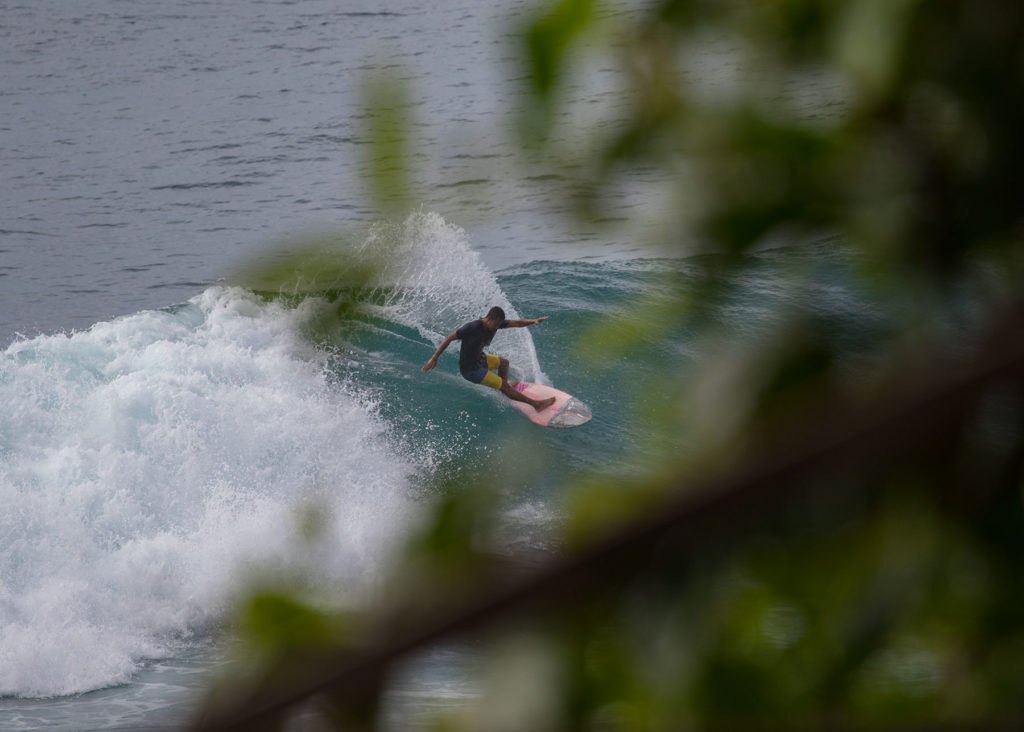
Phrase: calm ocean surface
{"type": "Point", "coordinates": [150, 146]}
{"type": "Point", "coordinates": [159, 423]}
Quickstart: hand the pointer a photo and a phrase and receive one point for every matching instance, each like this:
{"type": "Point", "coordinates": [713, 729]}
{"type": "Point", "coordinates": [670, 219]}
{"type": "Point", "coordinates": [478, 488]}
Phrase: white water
{"type": "Point", "coordinates": [152, 463]}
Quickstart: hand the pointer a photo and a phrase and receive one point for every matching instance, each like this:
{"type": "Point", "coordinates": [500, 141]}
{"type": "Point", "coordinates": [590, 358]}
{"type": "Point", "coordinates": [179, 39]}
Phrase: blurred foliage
{"type": "Point", "coordinates": [879, 589]}
{"type": "Point", "coordinates": [387, 125]}
{"type": "Point", "coordinates": [335, 277]}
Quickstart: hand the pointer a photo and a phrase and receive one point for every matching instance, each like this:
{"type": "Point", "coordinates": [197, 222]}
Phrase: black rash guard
{"type": "Point", "coordinates": [475, 337]}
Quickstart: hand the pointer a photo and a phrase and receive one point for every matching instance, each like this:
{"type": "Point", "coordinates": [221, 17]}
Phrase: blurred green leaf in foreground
{"type": "Point", "coordinates": [823, 551]}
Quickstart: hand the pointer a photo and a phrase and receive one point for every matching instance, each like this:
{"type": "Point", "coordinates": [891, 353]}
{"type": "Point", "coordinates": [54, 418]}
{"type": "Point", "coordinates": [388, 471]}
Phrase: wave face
{"type": "Point", "coordinates": [148, 464]}
{"type": "Point", "coordinates": [152, 465]}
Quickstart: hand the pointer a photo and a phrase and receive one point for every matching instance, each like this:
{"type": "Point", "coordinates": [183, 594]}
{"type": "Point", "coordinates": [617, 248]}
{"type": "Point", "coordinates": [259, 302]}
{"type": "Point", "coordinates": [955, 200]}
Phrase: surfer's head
{"type": "Point", "coordinates": [496, 316]}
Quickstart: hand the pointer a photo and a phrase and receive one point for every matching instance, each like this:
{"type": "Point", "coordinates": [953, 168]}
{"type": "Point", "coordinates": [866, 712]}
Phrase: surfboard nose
{"type": "Point", "coordinates": [572, 414]}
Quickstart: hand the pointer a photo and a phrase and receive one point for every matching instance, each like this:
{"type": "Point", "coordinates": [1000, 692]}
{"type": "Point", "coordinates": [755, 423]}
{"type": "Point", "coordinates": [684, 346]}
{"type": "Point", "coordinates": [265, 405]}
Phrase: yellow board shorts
{"type": "Point", "coordinates": [486, 376]}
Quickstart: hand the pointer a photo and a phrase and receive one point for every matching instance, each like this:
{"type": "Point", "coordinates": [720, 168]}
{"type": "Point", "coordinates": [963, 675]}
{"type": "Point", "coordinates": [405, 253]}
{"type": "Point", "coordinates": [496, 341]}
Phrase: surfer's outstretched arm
{"type": "Point", "coordinates": [440, 349]}
{"type": "Point", "coordinates": [523, 323]}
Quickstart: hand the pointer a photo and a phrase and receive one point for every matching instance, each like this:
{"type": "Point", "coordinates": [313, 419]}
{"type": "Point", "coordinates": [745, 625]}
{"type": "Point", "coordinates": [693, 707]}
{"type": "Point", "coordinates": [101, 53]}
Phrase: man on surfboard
{"type": "Point", "coordinates": [479, 367]}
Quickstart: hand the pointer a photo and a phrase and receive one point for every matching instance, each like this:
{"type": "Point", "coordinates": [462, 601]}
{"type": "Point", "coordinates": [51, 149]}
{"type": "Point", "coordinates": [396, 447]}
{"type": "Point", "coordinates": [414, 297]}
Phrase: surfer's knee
{"type": "Point", "coordinates": [512, 393]}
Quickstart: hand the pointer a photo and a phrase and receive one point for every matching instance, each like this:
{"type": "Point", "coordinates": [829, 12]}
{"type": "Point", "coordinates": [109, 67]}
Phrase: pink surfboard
{"type": "Point", "coordinates": [567, 411]}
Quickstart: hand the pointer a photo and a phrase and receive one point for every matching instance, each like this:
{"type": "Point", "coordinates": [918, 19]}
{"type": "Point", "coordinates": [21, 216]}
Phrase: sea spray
{"type": "Point", "coordinates": [437, 282]}
{"type": "Point", "coordinates": [148, 464]}
{"type": "Point", "coordinates": [420, 274]}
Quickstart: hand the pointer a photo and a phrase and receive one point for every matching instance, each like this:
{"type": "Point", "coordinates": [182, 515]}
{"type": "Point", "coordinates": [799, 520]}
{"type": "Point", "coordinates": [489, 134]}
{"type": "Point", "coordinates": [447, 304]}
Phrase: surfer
{"type": "Point", "coordinates": [479, 367]}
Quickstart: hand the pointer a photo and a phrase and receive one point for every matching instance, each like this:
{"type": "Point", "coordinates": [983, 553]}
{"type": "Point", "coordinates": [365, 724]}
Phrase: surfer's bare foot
{"type": "Point", "coordinates": [543, 404]}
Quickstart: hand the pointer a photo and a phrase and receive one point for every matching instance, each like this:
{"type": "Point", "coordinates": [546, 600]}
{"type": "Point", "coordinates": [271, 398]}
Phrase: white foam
{"type": "Point", "coordinates": [147, 464]}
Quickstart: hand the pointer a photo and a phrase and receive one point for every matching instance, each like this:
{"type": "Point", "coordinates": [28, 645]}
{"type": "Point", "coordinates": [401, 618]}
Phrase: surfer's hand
{"type": "Point", "coordinates": [537, 320]}
{"type": "Point", "coordinates": [429, 365]}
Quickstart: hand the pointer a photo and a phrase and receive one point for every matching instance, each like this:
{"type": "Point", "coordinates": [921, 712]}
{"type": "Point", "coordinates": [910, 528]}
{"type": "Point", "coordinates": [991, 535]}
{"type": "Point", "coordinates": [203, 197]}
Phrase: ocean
{"type": "Point", "coordinates": [166, 431]}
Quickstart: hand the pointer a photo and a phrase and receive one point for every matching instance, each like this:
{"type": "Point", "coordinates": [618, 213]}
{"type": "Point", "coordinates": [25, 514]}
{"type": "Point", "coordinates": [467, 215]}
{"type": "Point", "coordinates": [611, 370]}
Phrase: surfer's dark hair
{"type": "Point", "coordinates": [496, 314]}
